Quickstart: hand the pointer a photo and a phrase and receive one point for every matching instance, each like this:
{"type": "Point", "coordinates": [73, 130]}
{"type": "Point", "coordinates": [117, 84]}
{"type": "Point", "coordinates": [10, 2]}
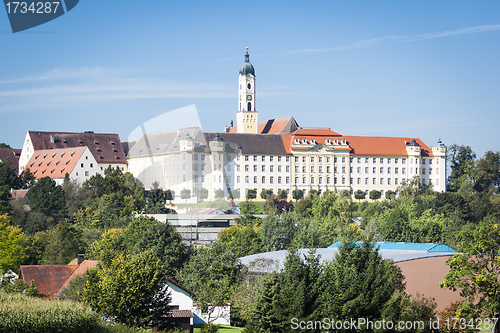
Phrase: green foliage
{"type": "Point", "coordinates": [359, 195]}
{"type": "Point", "coordinates": [4, 145]}
{"type": "Point", "coordinates": [375, 195]}
{"type": "Point", "coordinates": [248, 220]}
{"type": "Point", "coordinates": [282, 194]}
{"type": "Point", "coordinates": [201, 194]}
{"type": "Point", "coordinates": [241, 240]}
{"type": "Point", "coordinates": [165, 243]}
{"type": "Point", "coordinates": [461, 160]}
{"type": "Point", "coordinates": [486, 173]}
{"type": "Point", "coordinates": [21, 313]}
{"type": "Point", "coordinates": [185, 194]}
{"type": "Point", "coordinates": [358, 283]}
{"type": "Point", "coordinates": [278, 231]}
{"type": "Point", "coordinates": [303, 207]}
{"type": "Point", "coordinates": [291, 293]}
{"type": "Point", "coordinates": [264, 194]}
{"type": "Point", "coordinates": [211, 273]}
{"type": "Point", "coordinates": [27, 179]}
{"type": "Point", "coordinates": [219, 193]}
{"type": "Point", "coordinates": [414, 187]}
{"type": "Point", "coordinates": [474, 269]}
{"type": "Point", "coordinates": [155, 203]}
{"type": "Point", "coordinates": [251, 194]}
{"type": "Point", "coordinates": [278, 205]}
{"type": "Point", "coordinates": [47, 198]}
{"type": "Point", "coordinates": [63, 244]}
{"type": "Point", "coordinates": [248, 208]}
{"type": "Point", "coordinates": [297, 194]}
{"type": "Point", "coordinates": [109, 246]}
{"type": "Point", "coordinates": [209, 328]}
{"type": "Point", "coordinates": [8, 175]}
{"type": "Point", "coordinates": [234, 194]}
{"type": "Point", "coordinates": [13, 246]}
{"type": "Point", "coordinates": [345, 194]}
{"type": "Point", "coordinates": [130, 291]}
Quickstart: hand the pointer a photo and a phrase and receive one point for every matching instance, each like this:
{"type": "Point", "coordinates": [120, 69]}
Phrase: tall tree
{"type": "Point", "coordinates": [475, 268]}
{"type": "Point", "coordinates": [13, 246]}
{"type": "Point", "coordinates": [297, 194]}
{"type": "Point", "coordinates": [278, 231]}
{"type": "Point", "coordinates": [64, 243]}
{"type": "Point", "coordinates": [461, 160]}
{"type": "Point", "coordinates": [486, 173]}
{"type": "Point", "coordinates": [47, 198]}
{"type": "Point", "coordinates": [131, 290]}
{"type": "Point", "coordinates": [201, 194]}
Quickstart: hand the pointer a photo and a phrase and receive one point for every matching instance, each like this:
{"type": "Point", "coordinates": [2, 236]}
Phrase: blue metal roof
{"type": "Point", "coordinates": [428, 247]}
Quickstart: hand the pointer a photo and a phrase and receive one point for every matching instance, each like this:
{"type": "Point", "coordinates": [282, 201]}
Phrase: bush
{"type": "Point", "coordinates": [210, 328]}
{"type": "Point", "coordinates": [22, 313]}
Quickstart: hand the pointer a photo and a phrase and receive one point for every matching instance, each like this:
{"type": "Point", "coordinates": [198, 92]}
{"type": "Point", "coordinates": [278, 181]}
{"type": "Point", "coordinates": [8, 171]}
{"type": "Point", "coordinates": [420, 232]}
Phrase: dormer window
{"type": "Point", "coordinates": [112, 143]}
{"type": "Point", "coordinates": [304, 141]}
{"type": "Point", "coordinates": [297, 141]}
{"type": "Point", "coordinates": [344, 142]}
{"type": "Point", "coordinates": [313, 141]}
{"type": "Point", "coordinates": [96, 142]}
{"type": "Point", "coordinates": [328, 142]}
{"type": "Point", "coordinates": [336, 141]}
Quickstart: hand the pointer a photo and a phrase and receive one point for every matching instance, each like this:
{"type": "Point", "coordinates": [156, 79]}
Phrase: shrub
{"type": "Point", "coordinates": [21, 313]}
{"type": "Point", "coordinates": [210, 328]}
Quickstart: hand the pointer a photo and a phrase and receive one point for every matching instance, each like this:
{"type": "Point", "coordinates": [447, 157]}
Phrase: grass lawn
{"type": "Point", "coordinates": [223, 329]}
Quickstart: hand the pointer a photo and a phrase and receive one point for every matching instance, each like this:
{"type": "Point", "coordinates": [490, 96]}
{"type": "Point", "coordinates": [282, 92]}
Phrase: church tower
{"type": "Point", "coordinates": [247, 116]}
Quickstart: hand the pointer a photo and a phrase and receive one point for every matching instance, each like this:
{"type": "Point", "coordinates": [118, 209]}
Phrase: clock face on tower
{"type": "Point", "coordinates": [249, 97]}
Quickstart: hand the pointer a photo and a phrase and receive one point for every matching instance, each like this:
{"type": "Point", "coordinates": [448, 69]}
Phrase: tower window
{"type": "Point", "coordinates": [249, 106]}
{"type": "Point", "coordinates": [249, 86]}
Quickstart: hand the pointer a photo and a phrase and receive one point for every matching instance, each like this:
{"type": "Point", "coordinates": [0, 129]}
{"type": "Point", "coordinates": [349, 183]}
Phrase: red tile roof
{"type": "Point", "coordinates": [315, 131]}
{"type": "Point", "coordinates": [51, 279]}
{"type": "Point", "coordinates": [54, 163]}
{"type": "Point", "coordinates": [12, 154]}
{"type": "Point", "coordinates": [383, 146]}
{"type": "Point", "coordinates": [106, 148]}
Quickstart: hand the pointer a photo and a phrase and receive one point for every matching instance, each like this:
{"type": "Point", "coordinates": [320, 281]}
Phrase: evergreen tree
{"type": "Point", "coordinates": [47, 198]}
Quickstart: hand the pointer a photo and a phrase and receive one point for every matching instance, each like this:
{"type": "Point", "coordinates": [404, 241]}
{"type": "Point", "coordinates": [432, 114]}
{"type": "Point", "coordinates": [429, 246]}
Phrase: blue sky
{"type": "Point", "coordinates": [427, 69]}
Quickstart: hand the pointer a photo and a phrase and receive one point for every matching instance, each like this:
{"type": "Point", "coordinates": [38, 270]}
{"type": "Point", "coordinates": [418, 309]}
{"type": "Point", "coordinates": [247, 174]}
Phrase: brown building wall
{"type": "Point", "coordinates": [422, 276]}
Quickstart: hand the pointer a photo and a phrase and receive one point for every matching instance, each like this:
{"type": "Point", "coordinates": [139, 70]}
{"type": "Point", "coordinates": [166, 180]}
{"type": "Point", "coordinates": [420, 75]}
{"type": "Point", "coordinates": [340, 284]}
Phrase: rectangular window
{"type": "Point", "coordinates": [296, 158]}
{"type": "Point", "coordinates": [271, 179]}
{"type": "Point", "coordinates": [430, 161]}
{"type": "Point", "coordinates": [320, 159]}
{"type": "Point", "coordinates": [296, 168]}
{"type": "Point", "coordinates": [335, 169]}
{"type": "Point", "coordinates": [335, 180]}
{"type": "Point", "coordinates": [381, 181]}
{"type": "Point", "coordinates": [374, 160]}
{"type": "Point", "coordinates": [288, 158]}
{"type": "Point", "coordinates": [279, 179]}
{"type": "Point", "coordinates": [86, 173]}
{"type": "Point", "coordinates": [328, 169]}
{"type": "Point", "coordinates": [343, 181]}
{"type": "Point", "coordinates": [396, 170]}
{"type": "Point", "coordinates": [304, 169]}
{"type": "Point", "coordinates": [303, 159]}
{"type": "Point", "coordinates": [388, 181]}
{"type": "Point", "coordinates": [255, 168]}
{"type": "Point", "coordinates": [255, 179]}
{"type": "Point", "coordinates": [196, 157]}
{"type": "Point", "coordinates": [423, 171]}
{"type": "Point", "coordinates": [237, 179]}
{"type": "Point", "coordinates": [255, 158]}
{"type": "Point", "coordinates": [228, 168]}
{"type": "Point", "coordinates": [381, 160]}
{"type": "Point", "coordinates": [312, 159]}
{"type": "Point", "coordinates": [271, 158]}
{"type": "Point", "coordinates": [359, 159]}
{"type": "Point", "coordinates": [382, 170]}
{"type": "Point", "coordinates": [334, 160]}
{"type": "Point", "coordinates": [327, 159]}
{"type": "Point", "coordinates": [81, 165]}
{"type": "Point", "coordinates": [395, 181]}
{"type": "Point", "coordinates": [366, 181]}
{"type": "Point", "coordinates": [358, 170]}
{"type": "Point", "coordinates": [328, 180]}
{"type": "Point", "coordinates": [388, 170]}
{"type": "Point", "coordinates": [279, 168]}
{"type": "Point", "coordinates": [312, 180]}
{"type": "Point", "coordinates": [403, 171]}
{"type": "Point", "coordinates": [288, 180]}
{"type": "Point", "coordinates": [238, 168]}
{"type": "Point", "coordinates": [388, 160]}
{"type": "Point", "coordinates": [423, 161]}
{"type": "Point", "coordinates": [352, 181]}
{"type": "Point", "coordinates": [287, 168]}
{"type": "Point", "coordinates": [246, 157]}
{"type": "Point", "coordinates": [271, 168]}
{"type": "Point", "coordinates": [247, 179]}
{"type": "Point", "coordinates": [246, 167]}
{"type": "Point", "coordinates": [403, 160]}
{"type": "Point", "coordinates": [279, 158]}
{"type": "Point", "coordinates": [263, 158]}
{"type": "Point", "coordinates": [366, 169]}
{"type": "Point", "coordinates": [430, 171]}
{"type": "Point", "coordinates": [396, 160]}
{"type": "Point", "coordinates": [374, 170]}
{"type": "Point", "coordinates": [366, 159]}
{"type": "Point", "coordinates": [343, 159]}
{"type": "Point", "coordinates": [320, 169]}
{"type": "Point", "coordinates": [263, 168]}
{"type": "Point", "coordinates": [374, 181]}
{"type": "Point", "coordinates": [343, 169]}
{"type": "Point", "coordinates": [312, 169]}
{"type": "Point", "coordinates": [359, 181]}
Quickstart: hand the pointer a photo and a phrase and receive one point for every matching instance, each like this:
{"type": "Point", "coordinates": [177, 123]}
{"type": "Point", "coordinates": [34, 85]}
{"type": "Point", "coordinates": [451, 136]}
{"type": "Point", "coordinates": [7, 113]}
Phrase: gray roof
{"type": "Point", "coordinates": [328, 254]}
{"type": "Point", "coordinates": [252, 143]}
{"type": "Point", "coordinates": [167, 142]}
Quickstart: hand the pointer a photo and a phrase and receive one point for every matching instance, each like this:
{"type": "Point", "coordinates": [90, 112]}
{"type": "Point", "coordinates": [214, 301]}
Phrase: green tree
{"type": "Point", "coordinates": [282, 194]}
{"type": "Point", "coordinates": [169, 195]}
{"type": "Point", "coordinates": [241, 240]}
{"type": "Point", "coordinates": [345, 194]}
{"type": "Point", "coordinates": [27, 179]}
{"type": "Point", "coordinates": [130, 291]}
{"type": "Point", "coordinates": [475, 268]}
{"type": "Point", "coordinates": [64, 243]}
{"type": "Point", "coordinates": [360, 195]}
{"type": "Point", "coordinates": [461, 160]}
{"type": "Point", "coordinates": [278, 231]}
{"type": "Point", "coordinates": [264, 194]}
{"type": "Point", "coordinates": [358, 283]}
{"type": "Point", "coordinates": [110, 245]}
{"type": "Point", "coordinates": [185, 194]}
{"type": "Point", "coordinates": [414, 187]}
{"type": "Point", "coordinates": [389, 195]}
{"type": "Point", "coordinates": [486, 173]}
{"type": "Point", "coordinates": [8, 175]}
{"type": "Point", "coordinates": [201, 194]}
{"type": "Point", "coordinates": [251, 194]}
{"type": "Point", "coordinates": [375, 195]}
{"type": "Point", "coordinates": [47, 198]}
{"type": "Point", "coordinates": [219, 193]}
{"type": "Point", "coordinates": [297, 194]}
{"type": "Point", "coordinates": [212, 274]}
{"type": "Point", "coordinates": [4, 145]}
{"type": "Point", "coordinates": [165, 243]}
{"type": "Point", "coordinates": [234, 193]}
{"type": "Point", "coordinates": [289, 294]}
{"type": "Point", "coordinates": [155, 202]}
{"type": "Point", "coordinates": [13, 246]}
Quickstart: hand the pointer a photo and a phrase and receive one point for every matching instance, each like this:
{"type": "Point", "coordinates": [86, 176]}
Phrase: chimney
{"type": "Point", "coordinates": [80, 258]}
{"type": "Point", "coordinates": [52, 139]}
